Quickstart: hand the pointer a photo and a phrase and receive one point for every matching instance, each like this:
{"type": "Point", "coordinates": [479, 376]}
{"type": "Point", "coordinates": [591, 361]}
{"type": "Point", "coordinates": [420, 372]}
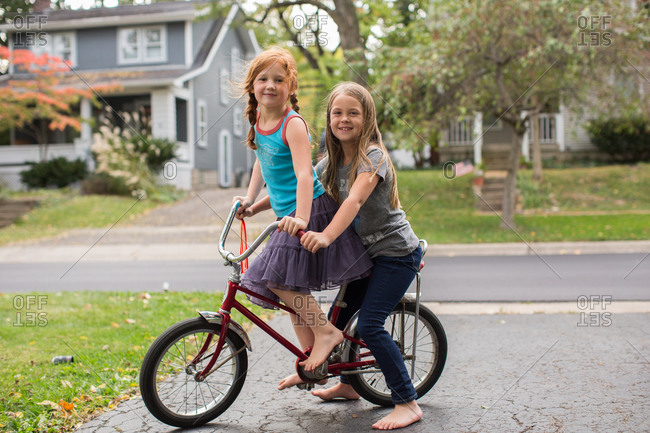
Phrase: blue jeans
{"type": "Point", "coordinates": [375, 297]}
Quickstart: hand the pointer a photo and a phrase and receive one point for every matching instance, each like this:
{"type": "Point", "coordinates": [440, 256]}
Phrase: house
{"type": "Point", "coordinates": [487, 141]}
{"type": "Point", "coordinates": [167, 61]}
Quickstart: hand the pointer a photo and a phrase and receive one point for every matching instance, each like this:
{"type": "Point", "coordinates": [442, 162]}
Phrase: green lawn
{"type": "Point", "coordinates": [108, 334]}
{"type": "Point", "coordinates": [60, 210]}
{"type": "Point", "coordinates": [582, 204]}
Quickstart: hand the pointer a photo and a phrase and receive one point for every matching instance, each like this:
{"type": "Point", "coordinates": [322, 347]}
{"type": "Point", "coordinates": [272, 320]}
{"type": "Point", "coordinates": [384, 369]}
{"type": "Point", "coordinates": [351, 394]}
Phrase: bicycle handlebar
{"type": "Point", "coordinates": [256, 243]}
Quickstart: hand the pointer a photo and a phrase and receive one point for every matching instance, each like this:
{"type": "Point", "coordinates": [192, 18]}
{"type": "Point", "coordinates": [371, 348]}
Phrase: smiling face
{"type": "Point", "coordinates": [271, 87]}
{"type": "Point", "coordinates": [346, 119]}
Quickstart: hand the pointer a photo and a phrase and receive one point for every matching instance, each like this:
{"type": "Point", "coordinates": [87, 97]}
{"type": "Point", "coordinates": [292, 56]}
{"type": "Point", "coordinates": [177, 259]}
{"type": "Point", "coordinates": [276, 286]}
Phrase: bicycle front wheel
{"type": "Point", "coordinates": [167, 378]}
{"type": "Point", "coordinates": [424, 366]}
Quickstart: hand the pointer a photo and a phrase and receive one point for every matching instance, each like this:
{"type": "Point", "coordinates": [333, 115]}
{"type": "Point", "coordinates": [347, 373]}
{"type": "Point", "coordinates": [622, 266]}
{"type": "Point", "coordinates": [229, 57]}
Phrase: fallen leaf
{"type": "Point", "coordinates": [93, 389]}
{"type": "Point", "coordinates": [115, 325]}
{"type": "Point", "coordinates": [129, 321]}
{"type": "Point", "coordinates": [105, 347]}
{"type": "Point", "coordinates": [65, 405]}
{"type": "Point", "coordinates": [81, 337]}
{"type": "Point", "coordinates": [144, 295]}
{"type": "Point", "coordinates": [87, 307]}
{"type": "Point", "coordinates": [49, 403]}
{"type": "Point", "coordinates": [66, 383]}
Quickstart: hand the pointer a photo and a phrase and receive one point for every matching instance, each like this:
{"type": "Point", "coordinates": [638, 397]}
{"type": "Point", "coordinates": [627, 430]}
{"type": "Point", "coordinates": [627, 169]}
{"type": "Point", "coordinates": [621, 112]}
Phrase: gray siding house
{"type": "Point", "coordinates": [165, 60]}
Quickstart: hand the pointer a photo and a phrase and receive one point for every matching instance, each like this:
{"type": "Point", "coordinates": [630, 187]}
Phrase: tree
{"type": "Point", "coordinates": [512, 59]}
{"type": "Point", "coordinates": [41, 100]}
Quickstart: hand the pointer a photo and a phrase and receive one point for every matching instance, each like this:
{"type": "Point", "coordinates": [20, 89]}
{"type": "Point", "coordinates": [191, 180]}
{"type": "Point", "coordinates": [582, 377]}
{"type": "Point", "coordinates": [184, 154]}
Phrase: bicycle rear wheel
{"type": "Point", "coordinates": [167, 378]}
{"type": "Point", "coordinates": [429, 359]}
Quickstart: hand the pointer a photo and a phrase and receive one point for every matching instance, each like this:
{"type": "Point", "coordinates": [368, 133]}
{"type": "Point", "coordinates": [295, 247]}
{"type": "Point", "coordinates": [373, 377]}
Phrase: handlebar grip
{"type": "Point", "coordinates": [300, 233]}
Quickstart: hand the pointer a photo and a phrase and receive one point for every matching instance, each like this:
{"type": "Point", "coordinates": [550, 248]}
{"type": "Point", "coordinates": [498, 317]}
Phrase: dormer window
{"type": "Point", "coordinates": [142, 45]}
{"type": "Point", "coordinates": [62, 45]}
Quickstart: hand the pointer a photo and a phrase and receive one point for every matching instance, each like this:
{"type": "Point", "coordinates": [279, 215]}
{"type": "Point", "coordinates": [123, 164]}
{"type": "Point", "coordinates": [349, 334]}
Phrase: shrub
{"type": "Point", "coordinates": [623, 139]}
{"type": "Point", "coordinates": [57, 172]}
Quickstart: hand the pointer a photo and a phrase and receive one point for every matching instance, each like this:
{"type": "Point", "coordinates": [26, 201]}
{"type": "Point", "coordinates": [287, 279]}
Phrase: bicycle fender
{"type": "Point", "coordinates": [217, 318]}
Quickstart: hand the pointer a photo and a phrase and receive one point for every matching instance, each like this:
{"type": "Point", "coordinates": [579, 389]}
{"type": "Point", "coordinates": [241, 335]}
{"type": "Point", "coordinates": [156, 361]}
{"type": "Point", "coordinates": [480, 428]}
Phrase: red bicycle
{"type": "Point", "coordinates": [195, 369]}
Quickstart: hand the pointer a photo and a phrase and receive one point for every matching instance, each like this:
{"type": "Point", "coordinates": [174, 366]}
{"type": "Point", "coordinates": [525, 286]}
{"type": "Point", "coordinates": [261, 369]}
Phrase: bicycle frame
{"type": "Point", "coordinates": [229, 303]}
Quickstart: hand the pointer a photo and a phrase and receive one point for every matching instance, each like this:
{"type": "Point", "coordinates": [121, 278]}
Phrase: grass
{"type": "Point", "coordinates": [60, 210]}
{"type": "Point", "coordinates": [107, 333]}
{"type": "Point", "coordinates": [582, 204]}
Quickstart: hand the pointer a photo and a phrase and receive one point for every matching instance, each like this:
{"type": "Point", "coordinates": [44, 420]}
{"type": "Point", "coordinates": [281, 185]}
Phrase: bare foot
{"type": "Point", "coordinates": [340, 390]}
{"type": "Point", "coordinates": [401, 416]}
{"type": "Point", "coordinates": [293, 380]}
{"type": "Point", "coordinates": [324, 343]}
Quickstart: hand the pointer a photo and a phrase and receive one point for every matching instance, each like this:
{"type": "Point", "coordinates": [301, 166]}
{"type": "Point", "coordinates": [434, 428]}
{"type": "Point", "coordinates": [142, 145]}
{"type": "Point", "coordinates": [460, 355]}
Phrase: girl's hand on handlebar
{"type": "Point", "coordinates": [245, 210]}
{"type": "Point", "coordinates": [291, 225]}
{"type": "Point", "coordinates": [314, 241]}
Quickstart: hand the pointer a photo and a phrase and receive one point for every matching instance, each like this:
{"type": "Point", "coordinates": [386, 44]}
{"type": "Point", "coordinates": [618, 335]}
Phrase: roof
{"type": "Point", "coordinates": [108, 16]}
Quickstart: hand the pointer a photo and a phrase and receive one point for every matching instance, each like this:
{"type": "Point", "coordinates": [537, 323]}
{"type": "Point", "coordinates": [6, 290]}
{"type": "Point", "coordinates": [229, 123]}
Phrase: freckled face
{"type": "Point", "coordinates": [271, 87]}
{"type": "Point", "coordinates": [346, 119]}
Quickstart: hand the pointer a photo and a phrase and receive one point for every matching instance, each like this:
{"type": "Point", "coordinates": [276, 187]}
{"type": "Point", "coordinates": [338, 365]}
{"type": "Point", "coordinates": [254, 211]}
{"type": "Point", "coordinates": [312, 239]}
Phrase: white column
{"type": "Point", "coordinates": [86, 114]}
{"type": "Point", "coordinates": [559, 128]}
{"type": "Point", "coordinates": [478, 138]}
{"type": "Point", "coordinates": [525, 142]}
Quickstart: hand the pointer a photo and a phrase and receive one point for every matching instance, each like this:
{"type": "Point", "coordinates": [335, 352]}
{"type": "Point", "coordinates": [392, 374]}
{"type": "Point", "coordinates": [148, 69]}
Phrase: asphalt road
{"type": "Point", "coordinates": [445, 279]}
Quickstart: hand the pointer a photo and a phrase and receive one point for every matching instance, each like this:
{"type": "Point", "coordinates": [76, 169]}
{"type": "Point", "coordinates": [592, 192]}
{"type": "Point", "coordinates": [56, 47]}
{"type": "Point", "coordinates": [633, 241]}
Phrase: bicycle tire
{"type": "Point", "coordinates": [430, 360]}
{"type": "Point", "coordinates": [168, 387]}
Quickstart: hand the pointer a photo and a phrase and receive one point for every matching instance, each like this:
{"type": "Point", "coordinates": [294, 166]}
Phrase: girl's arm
{"type": "Point", "coordinates": [254, 188]}
{"type": "Point", "coordinates": [359, 193]}
{"type": "Point", "coordinates": [298, 142]}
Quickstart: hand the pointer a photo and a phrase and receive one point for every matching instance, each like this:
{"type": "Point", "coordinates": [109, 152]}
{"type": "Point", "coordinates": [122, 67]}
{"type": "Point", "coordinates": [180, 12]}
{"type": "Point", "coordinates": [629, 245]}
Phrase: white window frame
{"type": "Point", "coordinates": [225, 159]}
{"type": "Point", "coordinates": [224, 82]}
{"type": "Point", "coordinates": [141, 45]}
{"type": "Point", "coordinates": [52, 43]}
{"type": "Point", "coordinates": [237, 121]}
{"type": "Point", "coordinates": [202, 123]}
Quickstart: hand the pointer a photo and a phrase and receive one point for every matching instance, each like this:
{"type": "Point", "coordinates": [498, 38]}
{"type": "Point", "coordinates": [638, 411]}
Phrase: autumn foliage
{"type": "Point", "coordinates": [42, 90]}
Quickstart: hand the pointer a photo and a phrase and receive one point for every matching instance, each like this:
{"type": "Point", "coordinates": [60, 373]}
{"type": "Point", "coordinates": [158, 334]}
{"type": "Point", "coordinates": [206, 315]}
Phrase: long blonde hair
{"type": "Point", "coordinates": [370, 136]}
{"type": "Point", "coordinates": [262, 62]}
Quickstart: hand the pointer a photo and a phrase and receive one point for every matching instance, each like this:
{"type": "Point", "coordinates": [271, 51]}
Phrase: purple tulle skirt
{"type": "Point", "coordinates": [285, 264]}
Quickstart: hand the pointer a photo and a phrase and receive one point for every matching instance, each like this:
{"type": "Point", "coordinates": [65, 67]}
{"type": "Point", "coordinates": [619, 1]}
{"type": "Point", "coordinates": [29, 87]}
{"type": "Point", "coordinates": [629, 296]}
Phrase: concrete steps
{"type": "Point", "coordinates": [10, 210]}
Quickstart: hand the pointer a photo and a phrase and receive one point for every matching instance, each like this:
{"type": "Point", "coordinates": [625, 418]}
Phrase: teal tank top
{"type": "Point", "coordinates": [276, 163]}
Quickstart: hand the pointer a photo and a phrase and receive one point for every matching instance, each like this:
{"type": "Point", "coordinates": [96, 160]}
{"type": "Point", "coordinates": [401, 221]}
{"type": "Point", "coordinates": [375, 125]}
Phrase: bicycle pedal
{"type": "Point", "coordinates": [305, 386]}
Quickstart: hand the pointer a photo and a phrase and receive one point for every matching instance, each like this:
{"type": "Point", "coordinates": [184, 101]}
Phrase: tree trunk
{"type": "Point", "coordinates": [510, 192]}
{"type": "Point", "coordinates": [347, 21]}
{"type": "Point", "coordinates": [537, 149]}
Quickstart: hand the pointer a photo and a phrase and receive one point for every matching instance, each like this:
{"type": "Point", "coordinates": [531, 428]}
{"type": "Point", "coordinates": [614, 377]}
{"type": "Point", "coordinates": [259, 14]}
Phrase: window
{"type": "Point", "coordinates": [142, 45]}
{"type": "Point", "coordinates": [460, 132]}
{"type": "Point", "coordinates": [235, 62]}
{"type": "Point", "coordinates": [61, 45]}
{"type": "Point", "coordinates": [546, 128]}
{"type": "Point", "coordinates": [224, 97]}
{"type": "Point", "coordinates": [237, 121]}
{"type": "Point", "coordinates": [202, 124]}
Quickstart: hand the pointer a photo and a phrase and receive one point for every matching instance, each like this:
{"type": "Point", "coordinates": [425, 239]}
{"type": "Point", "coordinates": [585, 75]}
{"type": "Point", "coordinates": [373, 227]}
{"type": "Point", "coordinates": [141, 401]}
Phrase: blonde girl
{"type": "Point", "coordinates": [359, 174]}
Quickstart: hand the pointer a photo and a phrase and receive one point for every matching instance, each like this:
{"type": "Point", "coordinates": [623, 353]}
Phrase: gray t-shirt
{"type": "Point", "coordinates": [383, 231]}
